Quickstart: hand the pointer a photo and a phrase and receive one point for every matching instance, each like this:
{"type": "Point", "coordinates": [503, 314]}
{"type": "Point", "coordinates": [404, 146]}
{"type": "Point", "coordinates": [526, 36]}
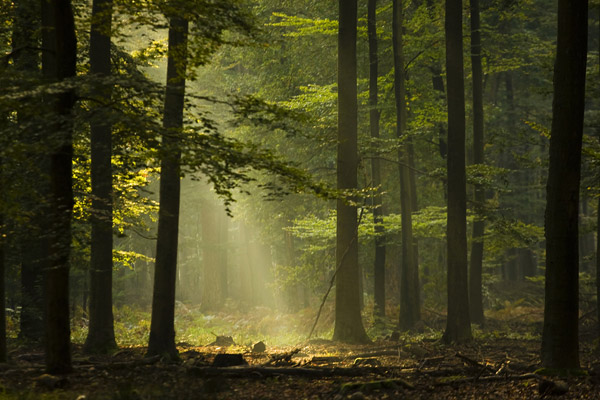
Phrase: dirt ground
{"type": "Point", "coordinates": [491, 368]}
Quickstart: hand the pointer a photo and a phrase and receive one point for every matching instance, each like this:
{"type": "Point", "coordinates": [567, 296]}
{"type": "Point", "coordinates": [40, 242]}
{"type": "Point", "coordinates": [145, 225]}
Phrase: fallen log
{"type": "Point", "coordinates": [260, 372]}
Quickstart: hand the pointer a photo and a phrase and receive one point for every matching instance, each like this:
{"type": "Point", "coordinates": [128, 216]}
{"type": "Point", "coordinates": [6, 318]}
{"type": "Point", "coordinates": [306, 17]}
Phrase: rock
{"type": "Point", "coordinates": [259, 347]}
{"type": "Point", "coordinates": [228, 360]}
{"type": "Point", "coordinates": [223, 341]}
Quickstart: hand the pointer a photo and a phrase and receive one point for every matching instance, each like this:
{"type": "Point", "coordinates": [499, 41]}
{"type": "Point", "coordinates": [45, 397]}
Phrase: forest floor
{"type": "Point", "coordinates": [502, 361]}
{"type": "Point", "coordinates": [487, 368]}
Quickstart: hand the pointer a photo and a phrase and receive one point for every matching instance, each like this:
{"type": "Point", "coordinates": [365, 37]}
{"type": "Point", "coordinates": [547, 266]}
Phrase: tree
{"type": "Point", "coordinates": [458, 323]}
{"type": "Point", "coordinates": [374, 116]}
{"type": "Point", "coordinates": [59, 60]}
{"type": "Point", "coordinates": [475, 272]}
{"type": "Point", "coordinates": [560, 342]}
{"type": "Point", "coordinates": [348, 323]}
{"type": "Point", "coordinates": [409, 282]}
{"type": "Point", "coordinates": [162, 328]}
{"type": "Point", "coordinates": [101, 335]}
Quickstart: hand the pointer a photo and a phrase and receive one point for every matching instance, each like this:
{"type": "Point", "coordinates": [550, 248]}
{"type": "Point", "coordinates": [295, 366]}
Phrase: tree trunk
{"type": "Point", "coordinates": [409, 279]}
{"type": "Point", "coordinates": [61, 32]}
{"type": "Point", "coordinates": [101, 335]}
{"type": "Point", "coordinates": [379, 267]}
{"type": "Point", "coordinates": [162, 327]}
{"type": "Point", "coordinates": [458, 324]}
{"type": "Point", "coordinates": [560, 342]}
{"type": "Point", "coordinates": [475, 294]}
{"type": "Point", "coordinates": [348, 323]}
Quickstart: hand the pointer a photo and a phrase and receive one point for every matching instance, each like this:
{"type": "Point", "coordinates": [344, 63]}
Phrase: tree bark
{"type": "Point", "coordinates": [101, 335]}
{"type": "Point", "coordinates": [409, 280]}
{"type": "Point", "coordinates": [61, 40]}
{"type": "Point", "coordinates": [560, 342]}
{"type": "Point", "coordinates": [458, 324]}
{"type": "Point", "coordinates": [348, 323]}
{"type": "Point", "coordinates": [162, 327]}
{"type": "Point", "coordinates": [475, 273]}
{"type": "Point", "coordinates": [374, 115]}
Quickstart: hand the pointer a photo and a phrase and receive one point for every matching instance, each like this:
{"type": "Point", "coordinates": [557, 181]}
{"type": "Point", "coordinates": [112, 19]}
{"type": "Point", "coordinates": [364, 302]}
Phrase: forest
{"type": "Point", "coordinates": [267, 199]}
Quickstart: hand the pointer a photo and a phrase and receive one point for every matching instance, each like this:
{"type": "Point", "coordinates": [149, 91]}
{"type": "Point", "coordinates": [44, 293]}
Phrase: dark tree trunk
{"type": "Point", "coordinates": [379, 267]}
{"type": "Point", "coordinates": [101, 335]}
{"type": "Point", "coordinates": [409, 279]}
{"type": "Point", "coordinates": [458, 324]}
{"type": "Point", "coordinates": [560, 342]}
{"type": "Point", "coordinates": [348, 323]}
{"type": "Point", "coordinates": [162, 328]}
{"type": "Point", "coordinates": [475, 294]}
{"type": "Point", "coordinates": [64, 46]}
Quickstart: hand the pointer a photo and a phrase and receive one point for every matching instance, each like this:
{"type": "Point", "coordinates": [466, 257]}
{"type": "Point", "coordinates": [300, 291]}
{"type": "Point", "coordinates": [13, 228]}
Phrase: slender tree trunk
{"type": "Point", "coordinates": [458, 324]}
{"type": "Point", "coordinates": [162, 327]}
{"type": "Point", "coordinates": [379, 270]}
{"type": "Point", "coordinates": [101, 335]}
{"type": "Point", "coordinates": [348, 323]}
{"type": "Point", "coordinates": [64, 44]}
{"type": "Point", "coordinates": [475, 295]}
{"type": "Point", "coordinates": [409, 279]}
{"type": "Point", "coordinates": [560, 342]}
